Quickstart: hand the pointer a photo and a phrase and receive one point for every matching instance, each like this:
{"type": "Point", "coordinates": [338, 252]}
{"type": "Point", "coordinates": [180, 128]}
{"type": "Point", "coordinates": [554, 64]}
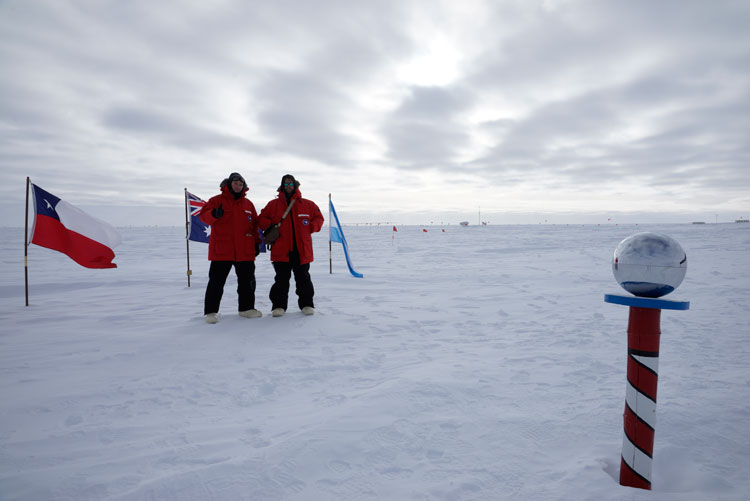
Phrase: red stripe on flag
{"type": "Point", "coordinates": [51, 233]}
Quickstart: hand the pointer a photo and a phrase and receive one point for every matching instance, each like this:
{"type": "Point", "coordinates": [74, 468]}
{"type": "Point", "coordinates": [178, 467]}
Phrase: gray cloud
{"type": "Point", "coordinates": [565, 95]}
{"type": "Point", "coordinates": [302, 115]}
{"type": "Point", "coordinates": [679, 119]}
{"type": "Point", "coordinates": [585, 140]}
{"type": "Point", "coordinates": [177, 131]}
{"type": "Point", "coordinates": [309, 111]}
{"type": "Point", "coordinates": [425, 130]}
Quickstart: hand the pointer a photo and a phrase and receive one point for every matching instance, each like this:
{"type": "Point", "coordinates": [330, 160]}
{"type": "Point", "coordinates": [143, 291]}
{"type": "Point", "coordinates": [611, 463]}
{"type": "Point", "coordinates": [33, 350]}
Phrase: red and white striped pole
{"type": "Point", "coordinates": [640, 397]}
{"type": "Point", "coordinates": [639, 417]}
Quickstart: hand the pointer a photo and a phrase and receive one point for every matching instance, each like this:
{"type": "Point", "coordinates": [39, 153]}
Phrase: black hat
{"type": "Point", "coordinates": [288, 176]}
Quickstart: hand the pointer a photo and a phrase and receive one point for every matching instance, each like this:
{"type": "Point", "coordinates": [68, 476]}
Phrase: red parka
{"type": "Point", "coordinates": [306, 218]}
{"type": "Point", "coordinates": [233, 235]}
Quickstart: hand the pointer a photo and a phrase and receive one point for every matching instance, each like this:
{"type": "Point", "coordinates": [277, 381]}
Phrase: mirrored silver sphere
{"type": "Point", "coordinates": [649, 264]}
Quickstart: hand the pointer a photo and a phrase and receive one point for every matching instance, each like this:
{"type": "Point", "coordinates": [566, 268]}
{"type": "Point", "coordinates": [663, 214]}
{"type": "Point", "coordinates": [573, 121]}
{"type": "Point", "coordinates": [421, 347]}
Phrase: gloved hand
{"type": "Point", "coordinates": [257, 249]}
{"type": "Point", "coordinates": [217, 212]}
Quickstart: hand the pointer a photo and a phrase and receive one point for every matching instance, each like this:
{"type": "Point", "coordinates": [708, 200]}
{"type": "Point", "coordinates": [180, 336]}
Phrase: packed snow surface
{"type": "Point", "coordinates": [479, 363]}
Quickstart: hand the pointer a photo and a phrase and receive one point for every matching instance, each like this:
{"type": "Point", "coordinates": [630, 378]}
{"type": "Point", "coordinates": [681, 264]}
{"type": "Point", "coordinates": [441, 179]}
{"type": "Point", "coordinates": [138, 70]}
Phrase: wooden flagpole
{"type": "Point", "coordinates": [330, 247]}
{"type": "Point", "coordinates": [26, 244]}
{"type": "Point", "coordinates": [187, 236]}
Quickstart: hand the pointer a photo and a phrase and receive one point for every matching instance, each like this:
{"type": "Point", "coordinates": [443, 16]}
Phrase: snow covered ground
{"type": "Point", "coordinates": [477, 364]}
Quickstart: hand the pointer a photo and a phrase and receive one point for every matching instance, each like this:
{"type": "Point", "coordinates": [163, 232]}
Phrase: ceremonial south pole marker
{"type": "Point", "coordinates": [648, 265]}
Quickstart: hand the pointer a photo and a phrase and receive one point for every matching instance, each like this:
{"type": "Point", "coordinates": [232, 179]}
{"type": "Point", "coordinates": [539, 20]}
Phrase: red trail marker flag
{"type": "Point", "coordinates": [60, 226]}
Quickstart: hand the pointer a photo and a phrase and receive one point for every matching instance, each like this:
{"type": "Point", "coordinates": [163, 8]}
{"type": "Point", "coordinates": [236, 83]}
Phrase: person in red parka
{"type": "Point", "coordinates": [234, 241]}
{"type": "Point", "coordinates": [293, 250]}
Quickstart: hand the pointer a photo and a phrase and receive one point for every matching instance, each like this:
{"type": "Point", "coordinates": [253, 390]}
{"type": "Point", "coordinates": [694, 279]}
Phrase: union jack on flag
{"type": "Point", "coordinates": [199, 231]}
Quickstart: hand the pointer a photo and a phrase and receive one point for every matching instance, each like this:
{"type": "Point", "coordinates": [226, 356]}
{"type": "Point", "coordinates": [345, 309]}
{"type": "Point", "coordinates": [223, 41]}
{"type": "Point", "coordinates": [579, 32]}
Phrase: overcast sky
{"type": "Point", "coordinates": [406, 111]}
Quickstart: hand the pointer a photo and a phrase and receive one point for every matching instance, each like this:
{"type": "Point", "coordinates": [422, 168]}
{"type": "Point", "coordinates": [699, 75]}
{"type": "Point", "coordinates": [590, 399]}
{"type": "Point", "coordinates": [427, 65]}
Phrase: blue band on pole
{"type": "Point", "coordinates": [646, 302]}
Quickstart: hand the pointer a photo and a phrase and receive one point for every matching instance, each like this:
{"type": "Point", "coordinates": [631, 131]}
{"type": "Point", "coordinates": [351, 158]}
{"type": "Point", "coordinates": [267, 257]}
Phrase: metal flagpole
{"type": "Point", "coordinates": [330, 247]}
{"type": "Point", "coordinates": [26, 244]}
{"type": "Point", "coordinates": [187, 236]}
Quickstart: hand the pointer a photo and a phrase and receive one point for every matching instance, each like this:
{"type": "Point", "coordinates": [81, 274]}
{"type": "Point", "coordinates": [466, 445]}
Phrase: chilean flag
{"type": "Point", "coordinates": [62, 227]}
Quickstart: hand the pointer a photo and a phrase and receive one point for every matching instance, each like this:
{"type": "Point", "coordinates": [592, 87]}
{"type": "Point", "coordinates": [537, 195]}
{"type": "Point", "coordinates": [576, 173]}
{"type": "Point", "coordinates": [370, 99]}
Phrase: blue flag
{"type": "Point", "coordinates": [199, 231]}
{"type": "Point", "coordinates": [337, 235]}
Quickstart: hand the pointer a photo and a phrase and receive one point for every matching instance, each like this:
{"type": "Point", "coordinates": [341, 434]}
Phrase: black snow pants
{"type": "Point", "coordinates": [217, 277]}
{"type": "Point", "coordinates": [279, 294]}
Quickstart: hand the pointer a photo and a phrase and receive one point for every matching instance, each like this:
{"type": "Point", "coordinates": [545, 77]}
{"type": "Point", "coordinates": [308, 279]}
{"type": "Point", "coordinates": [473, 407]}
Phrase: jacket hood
{"type": "Point", "coordinates": [287, 176]}
{"type": "Point", "coordinates": [234, 176]}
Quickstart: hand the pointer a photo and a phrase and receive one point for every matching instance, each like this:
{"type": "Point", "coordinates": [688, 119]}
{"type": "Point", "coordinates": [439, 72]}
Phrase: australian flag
{"type": "Point", "coordinates": [199, 231]}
